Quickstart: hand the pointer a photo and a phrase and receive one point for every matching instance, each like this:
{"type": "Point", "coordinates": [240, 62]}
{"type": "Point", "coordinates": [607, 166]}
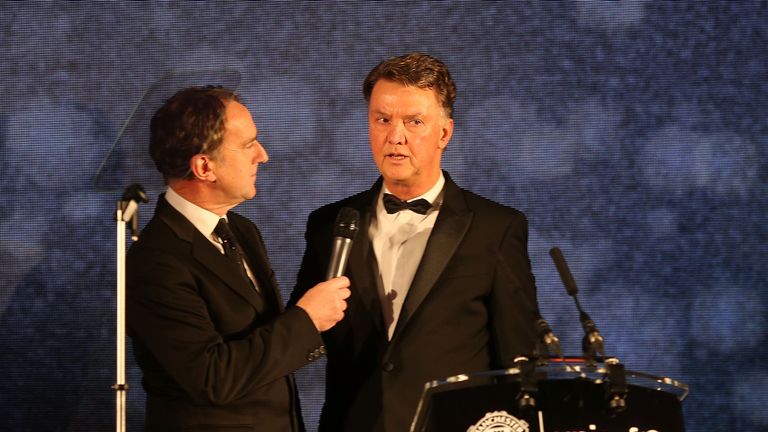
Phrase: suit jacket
{"type": "Point", "coordinates": [471, 307]}
{"type": "Point", "coordinates": [215, 353]}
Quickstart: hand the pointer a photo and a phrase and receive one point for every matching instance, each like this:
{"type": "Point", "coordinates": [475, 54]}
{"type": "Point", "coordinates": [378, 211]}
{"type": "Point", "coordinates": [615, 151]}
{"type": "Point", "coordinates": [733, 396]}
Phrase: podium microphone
{"type": "Point", "coordinates": [344, 230]}
{"type": "Point", "coordinates": [593, 342]}
{"type": "Point", "coordinates": [547, 338]}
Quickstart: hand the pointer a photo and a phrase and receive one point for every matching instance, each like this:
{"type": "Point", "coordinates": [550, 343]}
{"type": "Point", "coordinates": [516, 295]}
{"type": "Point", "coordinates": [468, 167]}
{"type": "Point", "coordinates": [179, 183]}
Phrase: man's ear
{"type": "Point", "coordinates": [447, 133]}
{"type": "Point", "coordinates": [201, 167]}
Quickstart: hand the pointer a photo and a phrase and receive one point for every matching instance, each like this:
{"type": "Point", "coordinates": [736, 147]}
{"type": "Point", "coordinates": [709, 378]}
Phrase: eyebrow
{"type": "Point", "coordinates": [249, 140]}
{"type": "Point", "coordinates": [409, 115]}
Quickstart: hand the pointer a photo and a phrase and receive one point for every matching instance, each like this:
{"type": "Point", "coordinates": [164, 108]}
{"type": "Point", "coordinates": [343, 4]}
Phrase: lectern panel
{"type": "Point", "coordinates": [562, 399]}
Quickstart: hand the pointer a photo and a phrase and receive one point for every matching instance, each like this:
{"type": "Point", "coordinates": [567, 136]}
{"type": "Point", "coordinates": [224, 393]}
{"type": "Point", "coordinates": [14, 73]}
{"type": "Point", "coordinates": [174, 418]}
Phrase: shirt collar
{"type": "Point", "coordinates": [430, 195]}
{"type": "Point", "coordinates": [204, 220]}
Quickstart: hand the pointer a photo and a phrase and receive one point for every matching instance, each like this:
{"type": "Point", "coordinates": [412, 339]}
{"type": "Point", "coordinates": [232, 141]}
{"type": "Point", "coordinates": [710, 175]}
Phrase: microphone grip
{"type": "Point", "coordinates": [548, 338]}
{"type": "Point", "coordinates": [586, 322]}
{"type": "Point", "coordinates": [339, 257]}
{"type": "Point", "coordinates": [129, 210]}
{"type": "Point", "coordinates": [135, 226]}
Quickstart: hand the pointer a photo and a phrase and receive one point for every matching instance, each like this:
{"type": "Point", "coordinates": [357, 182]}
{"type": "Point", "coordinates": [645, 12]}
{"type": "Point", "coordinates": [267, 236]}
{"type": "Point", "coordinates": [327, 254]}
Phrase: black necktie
{"type": "Point", "coordinates": [231, 249]}
{"type": "Point", "coordinates": [394, 204]}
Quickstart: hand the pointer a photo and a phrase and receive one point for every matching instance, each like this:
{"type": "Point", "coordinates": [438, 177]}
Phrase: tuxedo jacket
{"type": "Point", "coordinates": [471, 307]}
{"type": "Point", "coordinates": [215, 353]}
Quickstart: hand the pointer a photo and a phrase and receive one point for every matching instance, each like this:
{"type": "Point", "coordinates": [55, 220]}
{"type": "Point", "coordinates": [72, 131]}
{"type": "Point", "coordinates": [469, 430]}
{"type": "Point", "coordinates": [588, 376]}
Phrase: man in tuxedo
{"type": "Point", "coordinates": [441, 279]}
{"type": "Point", "coordinates": [214, 343]}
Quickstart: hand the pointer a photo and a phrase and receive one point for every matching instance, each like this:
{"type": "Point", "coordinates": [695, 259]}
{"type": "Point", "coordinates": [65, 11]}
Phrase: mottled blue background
{"type": "Point", "coordinates": [634, 135]}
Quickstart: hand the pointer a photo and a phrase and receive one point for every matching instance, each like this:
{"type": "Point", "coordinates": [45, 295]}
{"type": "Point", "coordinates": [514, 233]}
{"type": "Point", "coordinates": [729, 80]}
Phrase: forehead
{"type": "Point", "coordinates": [390, 95]}
{"type": "Point", "coordinates": [238, 119]}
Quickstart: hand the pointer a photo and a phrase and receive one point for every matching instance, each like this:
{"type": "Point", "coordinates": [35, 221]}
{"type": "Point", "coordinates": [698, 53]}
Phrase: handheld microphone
{"type": "Point", "coordinates": [344, 230]}
{"type": "Point", "coordinates": [593, 342]}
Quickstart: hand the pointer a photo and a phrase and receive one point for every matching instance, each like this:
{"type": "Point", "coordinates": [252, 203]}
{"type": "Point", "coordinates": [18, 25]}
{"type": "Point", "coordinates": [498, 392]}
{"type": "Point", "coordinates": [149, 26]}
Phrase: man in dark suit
{"type": "Point", "coordinates": [214, 343]}
{"type": "Point", "coordinates": [441, 279]}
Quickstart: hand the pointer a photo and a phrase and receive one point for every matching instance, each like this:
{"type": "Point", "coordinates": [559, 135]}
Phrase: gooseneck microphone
{"type": "Point", "coordinates": [593, 342]}
{"type": "Point", "coordinates": [548, 339]}
{"type": "Point", "coordinates": [344, 230]}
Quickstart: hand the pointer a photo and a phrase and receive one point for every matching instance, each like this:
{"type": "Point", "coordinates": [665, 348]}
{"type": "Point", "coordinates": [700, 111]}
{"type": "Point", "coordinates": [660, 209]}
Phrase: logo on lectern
{"type": "Point", "coordinates": [499, 421]}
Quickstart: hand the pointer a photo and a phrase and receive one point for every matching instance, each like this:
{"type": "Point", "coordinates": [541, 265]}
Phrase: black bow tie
{"type": "Point", "coordinates": [394, 204]}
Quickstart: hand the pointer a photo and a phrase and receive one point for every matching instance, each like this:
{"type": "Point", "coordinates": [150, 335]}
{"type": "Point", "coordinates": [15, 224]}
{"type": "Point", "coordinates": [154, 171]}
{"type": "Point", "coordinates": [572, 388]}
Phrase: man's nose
{"type": "Point", "coordinates": [396, 133]}
{"type": "Point", "coordinates": [260, 155]}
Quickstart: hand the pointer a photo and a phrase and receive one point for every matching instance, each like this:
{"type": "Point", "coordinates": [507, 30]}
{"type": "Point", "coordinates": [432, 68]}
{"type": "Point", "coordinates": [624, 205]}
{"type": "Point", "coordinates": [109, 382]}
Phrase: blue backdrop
{"type": "Point", "coordinates": [634, 135]}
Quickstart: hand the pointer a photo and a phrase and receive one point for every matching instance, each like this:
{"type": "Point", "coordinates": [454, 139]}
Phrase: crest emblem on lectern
{"type": "Point", "coordinates": [499, 421]}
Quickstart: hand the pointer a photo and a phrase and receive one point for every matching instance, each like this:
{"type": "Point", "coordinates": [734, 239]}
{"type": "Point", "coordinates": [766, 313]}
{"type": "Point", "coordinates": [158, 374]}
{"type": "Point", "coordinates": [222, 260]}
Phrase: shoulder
{"type": "Point", "coordinates": [157, 234]}
{"type": "Point", "coordinates": [360, 202]}
{"type": "Point", "coordinates": [158, 251]}
{"type": "Point", "coordinates": [481, 206]}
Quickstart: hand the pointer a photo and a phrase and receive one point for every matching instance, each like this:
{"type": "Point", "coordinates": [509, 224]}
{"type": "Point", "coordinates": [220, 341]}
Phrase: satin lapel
{"type": "Point", "coordinates": [449, 230]}
{"type": "Point", "coordinates": [363, 271]}
{"type": "Point", "coordinates": [207, 255]}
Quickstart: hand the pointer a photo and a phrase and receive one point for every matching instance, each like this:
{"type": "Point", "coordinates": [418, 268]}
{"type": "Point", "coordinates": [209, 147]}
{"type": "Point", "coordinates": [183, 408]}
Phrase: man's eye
{"type": "Point", "coordinates": [417, 122]}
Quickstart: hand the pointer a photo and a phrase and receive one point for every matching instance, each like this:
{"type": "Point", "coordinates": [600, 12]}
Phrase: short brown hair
{"type": "Point", "coordinates": [418, 70]}
{"type": "Point", "coordinates": [191, 122]}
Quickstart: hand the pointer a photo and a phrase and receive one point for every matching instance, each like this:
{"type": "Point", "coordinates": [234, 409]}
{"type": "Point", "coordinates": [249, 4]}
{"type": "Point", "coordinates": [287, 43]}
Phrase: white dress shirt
{"type": "Point", "coordinates": [399, 240]}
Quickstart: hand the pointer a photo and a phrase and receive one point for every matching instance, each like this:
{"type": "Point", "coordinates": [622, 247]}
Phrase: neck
{"type": "Point", "coordinates": [198, 194]}
{"type": "Point", "coordinates": [406, 191]}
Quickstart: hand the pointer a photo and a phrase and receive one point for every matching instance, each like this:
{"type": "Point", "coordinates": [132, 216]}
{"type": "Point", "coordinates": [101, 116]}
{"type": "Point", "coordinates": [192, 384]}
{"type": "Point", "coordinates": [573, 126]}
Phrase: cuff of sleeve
{"type": "Point", "coordinates": [314, 339]}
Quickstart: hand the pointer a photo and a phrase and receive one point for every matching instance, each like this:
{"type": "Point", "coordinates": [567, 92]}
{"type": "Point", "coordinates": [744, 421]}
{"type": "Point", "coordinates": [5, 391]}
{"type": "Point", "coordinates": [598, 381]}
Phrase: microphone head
{"type": "Point", "coordinates": [565, 273]}
{"type": "Point", "coordinates": [135, 192]}
{"type": "Point", "coordinates": [347, 223]}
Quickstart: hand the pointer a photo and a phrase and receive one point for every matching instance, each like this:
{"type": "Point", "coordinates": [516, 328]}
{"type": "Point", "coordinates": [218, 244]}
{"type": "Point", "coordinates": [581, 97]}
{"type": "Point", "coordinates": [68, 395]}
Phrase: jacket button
{"type": "Point", "coordinates": [388, 367]}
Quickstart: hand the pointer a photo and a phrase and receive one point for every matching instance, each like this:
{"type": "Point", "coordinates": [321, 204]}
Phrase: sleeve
{"type": "Point", "coordinates": [513, 303]}
{"type": "Point", "coordinates": [314, 261]}
{"type": "Point", "coordinates": [169, 317]}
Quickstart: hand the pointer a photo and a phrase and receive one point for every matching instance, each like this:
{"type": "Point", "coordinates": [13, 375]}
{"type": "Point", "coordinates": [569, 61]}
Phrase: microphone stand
{"type": "Point", "coordinates": [592, 344]}
{"type": "Point", "coordinates": [127, 211]}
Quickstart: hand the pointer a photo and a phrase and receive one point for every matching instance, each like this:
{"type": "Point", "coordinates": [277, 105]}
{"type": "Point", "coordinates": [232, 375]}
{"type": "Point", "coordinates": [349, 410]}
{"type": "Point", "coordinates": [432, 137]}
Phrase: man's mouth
{"type": "Point", "coordinates": [396, 156]}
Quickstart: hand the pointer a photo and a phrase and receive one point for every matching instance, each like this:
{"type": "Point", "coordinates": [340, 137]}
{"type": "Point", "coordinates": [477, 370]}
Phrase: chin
{"type": "Point", "coordinates": [250, 194]}
{"type": "Point", "coordinates": [398, 174]}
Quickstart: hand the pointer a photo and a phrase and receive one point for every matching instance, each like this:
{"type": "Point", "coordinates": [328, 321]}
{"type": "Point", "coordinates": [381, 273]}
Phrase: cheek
{"type": "Point", "coordinates": [376, 136]}
{"type": "Point", "coordinates": [376, 149]}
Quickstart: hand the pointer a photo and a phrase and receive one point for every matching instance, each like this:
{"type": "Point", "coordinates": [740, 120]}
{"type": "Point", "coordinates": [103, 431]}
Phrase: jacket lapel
{"type": "Point", "coordinates": [207, 255]}
{"type": "Point", "coordinates": [258, 260]}
{"type": "Point", "coordinates": [450, 227]}
{"type": "Point", "coordinates": [362, 266]}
